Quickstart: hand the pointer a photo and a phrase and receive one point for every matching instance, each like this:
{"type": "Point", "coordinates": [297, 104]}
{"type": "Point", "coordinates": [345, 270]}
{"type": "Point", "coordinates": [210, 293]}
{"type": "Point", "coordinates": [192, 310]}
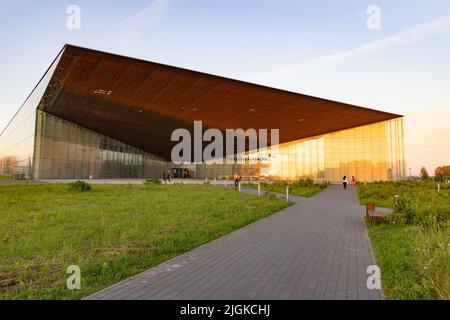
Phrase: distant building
{"type": "Point", "coordinates": [107, 116]}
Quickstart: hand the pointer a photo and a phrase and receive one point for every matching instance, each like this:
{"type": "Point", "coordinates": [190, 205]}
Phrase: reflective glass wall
{"type": "Point", "coordinates": [17, 139]}
{"type": "Point", "coordinates": [370, 153]}
{"type": "Point", "coordinates": [65, 150]}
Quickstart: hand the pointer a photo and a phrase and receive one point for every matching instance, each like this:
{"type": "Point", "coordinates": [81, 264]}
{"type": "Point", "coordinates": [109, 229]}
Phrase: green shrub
{"type": "Point", "coordinates": [80, 186]}
{"type": "Point", "coordinates": [305, 182]}
{"type": "Point", "coordinates": [409, 212]}
{"type": "Point", "coordinates": [152, 181]}
{"type": "Point", "coordinates": [401, 203]}
{"type": "Point", "coordinates": [433, 215]}
{"type": "Point", "coordinates": [281, 184]}
{"type": "Point", "coordinates": [271, 196]}
{"type": "Point", "coordinates": [322, 185]}
{"type": "Point", "coordinates": [394, 218]}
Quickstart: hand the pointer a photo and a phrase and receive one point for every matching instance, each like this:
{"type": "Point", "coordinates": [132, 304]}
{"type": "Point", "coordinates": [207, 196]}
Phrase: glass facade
{"type": "Point", "coordinates": [370, 153]}
{"type": "Point", "coordinates": [37, 144]}
{"type": "Point", "coordinates": [17, 139]}
{"type": "Point", "coordinates": [373, 152]}
{"type": "Point", "coordinates": [65, 150]}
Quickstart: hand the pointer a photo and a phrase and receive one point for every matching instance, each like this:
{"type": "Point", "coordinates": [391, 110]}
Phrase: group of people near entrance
{"type": "Point", "coordinates": [345, 182]}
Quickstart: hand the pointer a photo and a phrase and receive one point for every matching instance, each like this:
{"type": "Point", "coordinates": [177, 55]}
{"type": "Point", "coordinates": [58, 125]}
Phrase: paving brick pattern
{"type": "Point", "coordinates": [315, 249]}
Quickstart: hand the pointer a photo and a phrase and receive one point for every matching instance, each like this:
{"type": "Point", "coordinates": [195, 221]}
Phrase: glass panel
{"type": "Point", "coordinates": [372, 152]}
{"type": "Point", "coordinates": [17, 140]}
{"type": "Point", "coordinates": [66, 150]}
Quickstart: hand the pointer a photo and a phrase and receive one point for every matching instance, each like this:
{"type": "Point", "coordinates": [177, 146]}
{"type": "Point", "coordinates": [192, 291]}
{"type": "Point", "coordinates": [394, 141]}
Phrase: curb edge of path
{"type": "Point", "coordinates": [372, 253]}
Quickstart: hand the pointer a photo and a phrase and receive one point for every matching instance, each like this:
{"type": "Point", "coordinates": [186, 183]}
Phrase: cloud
{"type": "Point", "coordinates": [407, 36]}
{"type": "Point", "coordinates": [133, 26]}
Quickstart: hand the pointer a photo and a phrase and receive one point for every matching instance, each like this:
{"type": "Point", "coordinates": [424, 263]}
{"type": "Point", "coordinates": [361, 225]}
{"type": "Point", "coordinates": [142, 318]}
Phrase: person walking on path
{"type": "Point", "coordinates": [164, 176]}
{"type": "Point", "coordinates": [168, 176]}
{"type": "Point", "coordinates": [353, 181]}
{"type": "Point", "coordinates": [345, 182]}
{"type": "Point", "coordinates": [236, 181]}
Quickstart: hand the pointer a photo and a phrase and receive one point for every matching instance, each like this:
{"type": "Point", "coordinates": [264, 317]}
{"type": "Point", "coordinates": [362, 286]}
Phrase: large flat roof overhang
{"type": "Point", "coordinates": [140, 103]}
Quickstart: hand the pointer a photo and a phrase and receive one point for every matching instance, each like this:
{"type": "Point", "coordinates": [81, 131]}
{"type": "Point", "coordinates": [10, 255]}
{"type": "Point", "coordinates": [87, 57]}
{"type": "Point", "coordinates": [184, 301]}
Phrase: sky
{"type": "Point", "coordinates": [320, 48]}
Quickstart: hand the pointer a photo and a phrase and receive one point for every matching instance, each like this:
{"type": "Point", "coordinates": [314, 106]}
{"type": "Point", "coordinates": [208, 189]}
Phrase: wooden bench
{"type": "Point", "coordinates": [373, 214]}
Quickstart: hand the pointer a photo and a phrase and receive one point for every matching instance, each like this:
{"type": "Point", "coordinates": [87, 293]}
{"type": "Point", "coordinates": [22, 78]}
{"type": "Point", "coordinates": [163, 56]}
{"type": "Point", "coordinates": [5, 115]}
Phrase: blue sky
{"type": "Point", "coordinates": [321, 48]}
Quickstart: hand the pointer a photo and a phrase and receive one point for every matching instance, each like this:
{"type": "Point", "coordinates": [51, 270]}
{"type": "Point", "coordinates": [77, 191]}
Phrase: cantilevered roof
{"type": "Point", "coordinates": [140, 102]}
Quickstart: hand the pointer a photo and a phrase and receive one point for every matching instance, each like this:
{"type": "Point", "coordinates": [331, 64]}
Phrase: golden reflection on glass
{"type": "Point", "coordinates": [370, 153]}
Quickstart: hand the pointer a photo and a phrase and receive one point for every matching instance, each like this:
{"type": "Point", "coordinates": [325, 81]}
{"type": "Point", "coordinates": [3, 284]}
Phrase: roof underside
{"type": "Point", "coordinates": [140, 103]}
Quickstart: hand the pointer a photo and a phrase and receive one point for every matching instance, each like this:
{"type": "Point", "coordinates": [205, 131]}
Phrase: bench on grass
{"type": "Point", "coordinates": [373, 214]}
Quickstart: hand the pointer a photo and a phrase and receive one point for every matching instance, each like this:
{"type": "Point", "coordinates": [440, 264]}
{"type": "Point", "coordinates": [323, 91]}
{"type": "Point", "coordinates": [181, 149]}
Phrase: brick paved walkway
{"type": "Point", "coordinates": [315, 249]}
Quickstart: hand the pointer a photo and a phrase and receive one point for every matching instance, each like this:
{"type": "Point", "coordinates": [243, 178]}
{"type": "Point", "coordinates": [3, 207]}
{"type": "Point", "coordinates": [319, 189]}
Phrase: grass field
{"type": "Point", "coordinates": [296, 189]}
{"type": "Point", "coordinates": [111, 232]}
{"type": "Point", "coordinates": [372, 196]}
{"type": "Point", "coordinates": [8, 180]}
{"type": "Point", "coordinates": [412, 247]}
{"type": "Point", "coordinates": [414, 262]}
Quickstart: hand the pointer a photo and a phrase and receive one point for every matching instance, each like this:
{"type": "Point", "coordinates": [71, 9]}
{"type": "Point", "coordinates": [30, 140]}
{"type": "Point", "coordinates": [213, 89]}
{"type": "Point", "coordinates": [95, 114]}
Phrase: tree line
{"type": "Point", "coordinates": [440, 174]}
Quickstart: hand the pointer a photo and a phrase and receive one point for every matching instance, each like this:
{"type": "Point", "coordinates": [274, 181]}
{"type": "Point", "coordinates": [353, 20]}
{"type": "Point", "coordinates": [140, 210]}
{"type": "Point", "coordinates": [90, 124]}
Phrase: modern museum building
{"type": "Point", "coordinates": [100, 115]}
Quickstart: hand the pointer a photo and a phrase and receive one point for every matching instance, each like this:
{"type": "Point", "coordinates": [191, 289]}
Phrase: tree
{"type": "Point", "coordinates": [442, 173]}
{"type": "Point", "coordinates": [424, 173]}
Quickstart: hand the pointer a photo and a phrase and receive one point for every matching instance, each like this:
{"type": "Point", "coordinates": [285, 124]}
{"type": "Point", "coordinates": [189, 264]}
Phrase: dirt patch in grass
{"type": "Point", "coordinates": [8, 281]}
